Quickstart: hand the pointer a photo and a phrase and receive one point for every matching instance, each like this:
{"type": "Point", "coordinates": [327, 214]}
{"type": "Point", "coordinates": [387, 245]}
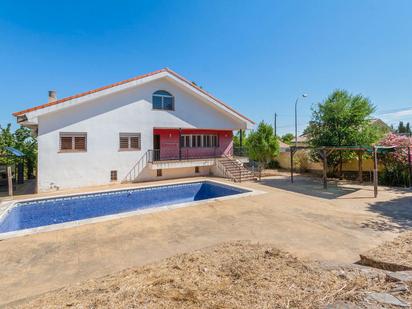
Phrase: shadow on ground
{"type": "Point", "coordinates": [395, 214]}
{"type": "Point", "coordinates": [309, 186]}
{"type": "Point", "coordinates": [28, 187]}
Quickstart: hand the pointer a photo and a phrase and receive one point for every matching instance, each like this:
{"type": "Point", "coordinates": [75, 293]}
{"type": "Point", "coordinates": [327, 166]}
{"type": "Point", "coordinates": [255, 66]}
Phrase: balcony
{"type": "Point", "coordinates": [185, 154]}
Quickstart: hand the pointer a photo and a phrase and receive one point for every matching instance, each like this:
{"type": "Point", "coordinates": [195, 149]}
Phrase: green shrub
{"type": "Point", "coordinates": [273, 164]}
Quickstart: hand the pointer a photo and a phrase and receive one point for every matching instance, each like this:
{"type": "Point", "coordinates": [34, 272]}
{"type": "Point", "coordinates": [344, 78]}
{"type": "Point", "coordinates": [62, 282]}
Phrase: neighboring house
{"type": "Point", "coordinates": [155, 126]}
{"type": "Point", "coordinates": [302, 141]}
{"type": "Point", "coordinates": [283, 147]}
{"type": "Point", "coordinates": [383, 127]}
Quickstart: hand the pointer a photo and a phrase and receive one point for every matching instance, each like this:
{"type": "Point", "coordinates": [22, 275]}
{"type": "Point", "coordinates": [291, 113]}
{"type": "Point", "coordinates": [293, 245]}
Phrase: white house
{"type": "Point", "coordinates": [154, 126]}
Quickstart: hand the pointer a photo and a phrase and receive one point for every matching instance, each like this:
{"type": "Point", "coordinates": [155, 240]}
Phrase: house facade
{"type": "Point", "coordinates": [154, 126]}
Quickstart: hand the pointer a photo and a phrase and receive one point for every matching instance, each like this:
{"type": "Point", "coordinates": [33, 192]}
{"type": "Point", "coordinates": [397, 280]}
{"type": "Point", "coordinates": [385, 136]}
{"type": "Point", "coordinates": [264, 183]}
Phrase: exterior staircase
{"type": "Point", "coordinates": [138, 167]}
{"type": "Point", "coordinates": [235, 170]}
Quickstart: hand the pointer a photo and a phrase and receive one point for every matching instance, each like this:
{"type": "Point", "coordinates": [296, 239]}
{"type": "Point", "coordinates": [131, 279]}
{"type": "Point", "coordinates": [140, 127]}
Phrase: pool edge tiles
{"type": "Point", "coordinates": [241, 192]}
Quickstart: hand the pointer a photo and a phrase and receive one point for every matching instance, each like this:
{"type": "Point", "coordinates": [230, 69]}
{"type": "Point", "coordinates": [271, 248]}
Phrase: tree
{"type": "Point", "coordinates": [401, 127]}
{"type": "Point", "coordinates": [6, 136]}
{"type": "Point", "coordinates": [342, 119]}
{"type": "Point", "coordinates": [408, 128]}
{"type": "Point", "coordinates": [396, 161]}
{"type": "Point", "coordinates": [26, 143]}
{"type": "Point", "coordinates": [6, 140]}
{"type": "Point", "coordinates": [262, 145]}
{"type": "Point", "coordinates": [236, 139]}
{"type": "Point", "coordinates": [23, 140]}
{"type": "Point", "coordinates": [287, 138]}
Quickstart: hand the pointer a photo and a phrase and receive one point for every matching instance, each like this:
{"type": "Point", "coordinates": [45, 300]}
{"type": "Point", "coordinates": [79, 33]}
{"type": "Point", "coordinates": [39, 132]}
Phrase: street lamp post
{"type": "Point", "coordinates": [296, 118]}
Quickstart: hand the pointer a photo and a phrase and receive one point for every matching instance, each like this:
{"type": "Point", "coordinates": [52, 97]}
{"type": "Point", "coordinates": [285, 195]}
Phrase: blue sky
{"type": "Point", "coordinates": [257, 56]}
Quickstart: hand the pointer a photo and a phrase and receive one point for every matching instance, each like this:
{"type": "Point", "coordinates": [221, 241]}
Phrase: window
{"type": "Point", "coordinates": [159, 172]}
{"type": "Point", "coordinates": [215, 141]}
{"type": "Point", "coordinates": [196, 141]}
{"type": "Point", "coordinates": [197, 171]}
{"type": "Point", "coordinates": [73, 142]}
{"type": "Point", "coordinates": [204, 141]}
{"type": "Point", "coordinates": [163, 100]}
{"type": "Point", "coordinates": [113, 175]}
{"type": "Point", "coordinates": [129, 141]}
{"type": "Point", "coordinates": [185, 141]}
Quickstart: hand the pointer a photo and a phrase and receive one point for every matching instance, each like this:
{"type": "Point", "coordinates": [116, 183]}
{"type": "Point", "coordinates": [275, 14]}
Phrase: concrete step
{"type": "Point", "coordinates": [242, 175]}
{"type": "Point", "coordinates": [236, 170]}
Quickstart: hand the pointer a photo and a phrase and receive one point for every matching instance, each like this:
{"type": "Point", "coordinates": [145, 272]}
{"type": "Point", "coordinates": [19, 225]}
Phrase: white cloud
{"type": "Point", "coordinates": [394, 117]}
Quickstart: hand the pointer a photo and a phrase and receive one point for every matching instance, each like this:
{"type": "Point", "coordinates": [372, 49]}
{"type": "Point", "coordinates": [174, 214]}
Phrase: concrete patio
{"type": "Point", "coordinates": [334, 226]}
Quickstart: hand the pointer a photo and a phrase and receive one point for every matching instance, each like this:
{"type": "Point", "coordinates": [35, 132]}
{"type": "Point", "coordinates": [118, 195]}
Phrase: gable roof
{"type": "Point", "coordinates": [165, 70]}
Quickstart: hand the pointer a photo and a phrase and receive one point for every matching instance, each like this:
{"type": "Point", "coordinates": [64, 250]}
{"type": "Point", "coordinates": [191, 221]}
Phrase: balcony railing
{"type": "Point", "coordinates": [157, 155]}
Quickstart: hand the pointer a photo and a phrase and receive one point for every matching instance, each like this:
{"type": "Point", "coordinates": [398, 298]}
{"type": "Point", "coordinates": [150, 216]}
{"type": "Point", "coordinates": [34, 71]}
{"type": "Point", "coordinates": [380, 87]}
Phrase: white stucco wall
{"type": "Point", "coordinates": [103, 119]}
{"type": "Point", "coordinates": [149, 174]}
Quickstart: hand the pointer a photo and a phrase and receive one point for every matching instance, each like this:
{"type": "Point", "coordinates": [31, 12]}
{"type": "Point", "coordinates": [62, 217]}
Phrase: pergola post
{"type": "Point", "coordinates": [360, 166]}
{"type": "Point", "coordinates": [375, 172]}
{"type": "Point", "coordinates": [325, 167]}
{"type": "Point", "coordinates": [410, 166]}
{"type": "Point", "coordinates": [10, 180]}
{"type": "Point", "coordinates": [292, 152]}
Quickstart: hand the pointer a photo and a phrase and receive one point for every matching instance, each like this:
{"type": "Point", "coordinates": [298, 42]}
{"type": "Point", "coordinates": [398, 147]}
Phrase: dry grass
{"type": "Point", "coordinates": [394, 255]}
{"type": "Point", "coordinates": [231, 275]}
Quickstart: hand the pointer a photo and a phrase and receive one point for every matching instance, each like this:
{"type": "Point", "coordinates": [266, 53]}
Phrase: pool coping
{"type": "Point", "coordinates": [60, 226]}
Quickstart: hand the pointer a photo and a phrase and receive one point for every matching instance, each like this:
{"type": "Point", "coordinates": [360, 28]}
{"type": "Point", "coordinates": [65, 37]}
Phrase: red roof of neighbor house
{"type": "Point", "coordinates": [124, 82]}
{"type": "Point", "coordinates": [282, 144]}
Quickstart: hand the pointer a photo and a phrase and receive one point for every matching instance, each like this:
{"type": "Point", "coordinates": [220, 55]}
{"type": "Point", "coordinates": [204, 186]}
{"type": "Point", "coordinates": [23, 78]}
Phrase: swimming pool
{"type": "Point", "coordinates": [52, 211]}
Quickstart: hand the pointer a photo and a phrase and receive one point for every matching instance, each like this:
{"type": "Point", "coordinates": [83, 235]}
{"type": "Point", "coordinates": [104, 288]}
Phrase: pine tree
{"type": "Point", "coordinates": [401, 127]}
{"type": "Point", "coordinates": [408, 128]}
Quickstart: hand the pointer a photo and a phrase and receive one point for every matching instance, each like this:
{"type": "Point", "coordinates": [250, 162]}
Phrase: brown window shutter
{"type": "Point", "coordinates": [79, 143]}
{"type": "Point", "coordinates": [66, 143]}
{"type": "Point", "coordinates": [124, 142]}
{"type": "Point", "coordinates": [134, 142]}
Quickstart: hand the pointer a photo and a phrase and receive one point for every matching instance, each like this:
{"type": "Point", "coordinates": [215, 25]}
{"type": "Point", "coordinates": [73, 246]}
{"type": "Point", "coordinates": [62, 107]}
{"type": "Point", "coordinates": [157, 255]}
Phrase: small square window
{"type": "Point", "coordinates": [113, 175]}
{"type": "Point", "coordinates": [159, 172]}
{"type": "Point", "coordinates": [197, 170]}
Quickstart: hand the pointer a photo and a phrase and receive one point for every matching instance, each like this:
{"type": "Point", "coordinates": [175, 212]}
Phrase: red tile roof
{"type": "Point", "coordinates": [124, 82]}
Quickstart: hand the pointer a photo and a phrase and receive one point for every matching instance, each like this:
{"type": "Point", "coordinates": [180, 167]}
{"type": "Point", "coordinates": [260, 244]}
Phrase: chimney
{"type": "Point", "coordinates": [52, 95]}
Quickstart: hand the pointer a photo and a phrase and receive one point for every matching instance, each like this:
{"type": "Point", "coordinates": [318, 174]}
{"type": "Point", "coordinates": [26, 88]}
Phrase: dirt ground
{"type": "Point", "coordinates": [393, 255]}
{"type": "Point", "coordinates": [333, 225]}
{"type": "Point", "coordinates": [231, 275]}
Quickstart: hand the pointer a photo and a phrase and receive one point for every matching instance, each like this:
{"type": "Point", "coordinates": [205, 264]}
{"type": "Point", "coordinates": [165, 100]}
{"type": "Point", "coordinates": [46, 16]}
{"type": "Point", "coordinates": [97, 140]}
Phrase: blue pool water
{"type": "Point", "coordinates": [31, 214]}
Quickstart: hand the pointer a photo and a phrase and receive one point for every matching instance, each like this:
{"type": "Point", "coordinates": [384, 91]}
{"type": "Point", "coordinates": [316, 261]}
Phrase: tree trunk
{"type": "Point", "coordinates": [340, 164]}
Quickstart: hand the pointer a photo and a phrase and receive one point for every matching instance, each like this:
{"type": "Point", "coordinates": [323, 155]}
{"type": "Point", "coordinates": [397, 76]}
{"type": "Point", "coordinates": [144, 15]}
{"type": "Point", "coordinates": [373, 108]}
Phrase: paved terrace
{"type": "Point", "coordinates": [334, 225]}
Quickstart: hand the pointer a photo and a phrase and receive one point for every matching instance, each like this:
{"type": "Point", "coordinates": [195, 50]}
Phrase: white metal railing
{"type": "Point", "coordinates": [223, 170]}
{"type": "Point", "coordinates": [139, 166]}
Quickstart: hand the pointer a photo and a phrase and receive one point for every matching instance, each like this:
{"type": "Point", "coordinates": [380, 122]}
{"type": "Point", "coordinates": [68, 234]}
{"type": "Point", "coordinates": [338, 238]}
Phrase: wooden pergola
{"type": "Point", "coordinates": [327, 150]}
{"type": "Point", "coordinates": [18, 159]}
